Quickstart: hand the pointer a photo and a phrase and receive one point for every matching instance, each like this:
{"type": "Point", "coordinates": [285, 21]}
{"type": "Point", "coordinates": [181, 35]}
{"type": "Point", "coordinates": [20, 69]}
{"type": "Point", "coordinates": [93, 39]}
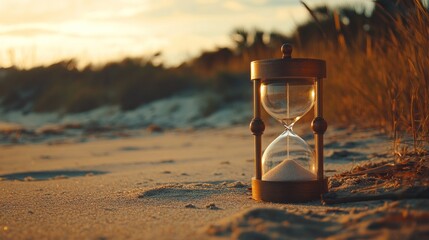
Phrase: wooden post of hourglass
{"type": "Point", "coordinates": [257, 127]}
{"type": "Point", "coordinates": [319, 127]}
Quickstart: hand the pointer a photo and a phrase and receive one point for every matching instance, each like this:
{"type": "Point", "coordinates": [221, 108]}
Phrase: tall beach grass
{"type": "Point", "coordinates": [381, 79]}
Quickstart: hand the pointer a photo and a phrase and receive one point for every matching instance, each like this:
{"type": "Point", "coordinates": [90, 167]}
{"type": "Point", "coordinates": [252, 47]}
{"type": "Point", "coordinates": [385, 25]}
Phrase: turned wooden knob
{"type": "Point", "coordinates": [319, 125]}
{"type": "Point", "coordinates": [257, 126]}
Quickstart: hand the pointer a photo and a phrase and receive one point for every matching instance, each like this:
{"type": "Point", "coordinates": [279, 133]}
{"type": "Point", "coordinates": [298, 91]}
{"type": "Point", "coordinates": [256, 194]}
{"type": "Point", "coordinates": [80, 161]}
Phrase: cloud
{"type": "Point", "coordinates": [20, 11]}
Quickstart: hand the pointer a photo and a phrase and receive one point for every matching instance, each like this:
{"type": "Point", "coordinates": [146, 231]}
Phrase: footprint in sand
{"type": "Point", "coordinates": [46, 157]}
{"type": "Point", "coordinates": [48, 175]}
{"type": "Point", "coordinates": [131, 148]}
{"type": "Point", "coordinates": [167, 161]}
{"type": "Point", "coordinates": [345, 145]}
{"type": "Point", "coordinates": [137, 148]}
{"type": "Point", "coordinates": [177, 193]}
{"type": "Point", "coordinates": [345, 155]}
{"type": "Point", "coordinates": [187, 192]}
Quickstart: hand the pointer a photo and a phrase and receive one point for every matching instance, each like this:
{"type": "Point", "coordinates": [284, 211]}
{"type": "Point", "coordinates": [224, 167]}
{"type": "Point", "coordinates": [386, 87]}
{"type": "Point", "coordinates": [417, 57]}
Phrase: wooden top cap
{"type": "Point", "coordinates": [287, 66]}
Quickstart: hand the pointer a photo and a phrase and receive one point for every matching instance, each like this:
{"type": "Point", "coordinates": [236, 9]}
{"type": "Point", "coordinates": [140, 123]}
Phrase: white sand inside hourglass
{"type": "Point", "coordinates": [288, 170]}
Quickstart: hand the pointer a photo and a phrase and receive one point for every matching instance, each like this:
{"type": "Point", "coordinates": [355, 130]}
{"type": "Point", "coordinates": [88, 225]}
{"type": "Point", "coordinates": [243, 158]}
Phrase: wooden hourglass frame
{"type": "Point", "coordinates": [263, 71]}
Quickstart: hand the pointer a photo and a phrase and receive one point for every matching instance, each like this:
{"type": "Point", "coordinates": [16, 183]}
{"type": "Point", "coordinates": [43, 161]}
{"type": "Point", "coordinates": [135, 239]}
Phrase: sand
{"type": "Point", "coordinates": [184, 184]}
{"type": "Point", "coordinates": [288, 170]}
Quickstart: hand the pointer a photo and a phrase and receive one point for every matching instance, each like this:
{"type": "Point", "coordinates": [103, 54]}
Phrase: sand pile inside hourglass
{"type": "Point", "coordinates": [288, 170]}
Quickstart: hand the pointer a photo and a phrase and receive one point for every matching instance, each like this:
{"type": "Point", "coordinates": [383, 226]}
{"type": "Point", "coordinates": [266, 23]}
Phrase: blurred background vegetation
{"type": "Point", "coordinates": [377, 71]}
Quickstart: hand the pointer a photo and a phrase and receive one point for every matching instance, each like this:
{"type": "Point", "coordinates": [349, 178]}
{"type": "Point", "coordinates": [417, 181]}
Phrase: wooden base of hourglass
{"type": "Point", "coordinates": [288, 192]}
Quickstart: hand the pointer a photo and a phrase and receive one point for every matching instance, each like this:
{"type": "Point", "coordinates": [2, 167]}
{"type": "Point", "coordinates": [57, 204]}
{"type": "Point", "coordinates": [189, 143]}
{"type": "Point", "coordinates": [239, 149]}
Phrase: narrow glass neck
{"type": "Point", "coordinates": [288, 123]}
{"type": "Point", "coordinates": [288, 127]}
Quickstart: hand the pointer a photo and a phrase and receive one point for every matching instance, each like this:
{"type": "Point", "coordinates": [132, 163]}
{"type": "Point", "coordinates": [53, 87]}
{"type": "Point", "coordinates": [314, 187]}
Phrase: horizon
{"type": "Point", "coordinates": [98, 32]}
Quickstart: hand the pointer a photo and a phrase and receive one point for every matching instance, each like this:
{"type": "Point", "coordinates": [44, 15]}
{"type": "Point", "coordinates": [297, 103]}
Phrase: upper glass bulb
{"type": "Point", "coordinates": [287, 100]}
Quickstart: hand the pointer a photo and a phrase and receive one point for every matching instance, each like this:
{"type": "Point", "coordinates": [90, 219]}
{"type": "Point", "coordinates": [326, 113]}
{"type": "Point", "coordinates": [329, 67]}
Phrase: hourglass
{"type": "Point", "coordinates": [288, 170]}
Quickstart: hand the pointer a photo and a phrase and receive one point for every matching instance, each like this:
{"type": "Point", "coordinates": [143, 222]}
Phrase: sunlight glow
{"type": "Point", "coordinates": [95, 31]}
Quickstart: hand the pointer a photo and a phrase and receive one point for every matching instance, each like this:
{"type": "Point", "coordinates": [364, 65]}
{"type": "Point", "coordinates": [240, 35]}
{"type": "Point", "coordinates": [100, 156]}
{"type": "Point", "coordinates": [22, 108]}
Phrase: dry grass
{"type": "Point", "coordinates": [405, 178]}
{"type": "Point", "coordinates": [386, 84]}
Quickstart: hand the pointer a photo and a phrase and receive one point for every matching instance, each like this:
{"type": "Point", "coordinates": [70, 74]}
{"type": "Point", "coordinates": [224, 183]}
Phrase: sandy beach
{"type": "Point", "coordinates": [185, 184]}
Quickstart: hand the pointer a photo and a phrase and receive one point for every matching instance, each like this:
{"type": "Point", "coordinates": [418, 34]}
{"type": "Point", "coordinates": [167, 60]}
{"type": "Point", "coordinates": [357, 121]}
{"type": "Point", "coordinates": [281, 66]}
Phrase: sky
{"type": "Point", "coordinates": [41, 32]}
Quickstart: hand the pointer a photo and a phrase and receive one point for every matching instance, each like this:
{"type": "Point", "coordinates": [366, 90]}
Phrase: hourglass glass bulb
{"type": "Point", "coordinates": [288, 157]}
{"type": "Point", "coordinates": [288, 100]}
